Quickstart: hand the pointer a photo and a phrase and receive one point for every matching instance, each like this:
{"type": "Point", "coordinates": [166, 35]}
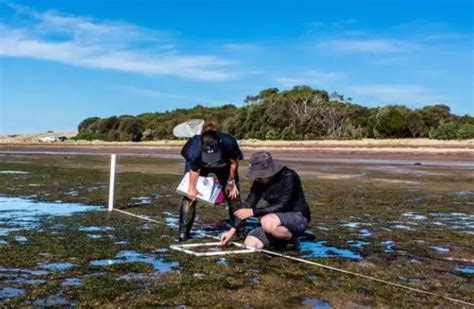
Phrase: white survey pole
{"type": "Point", "coordinates": [112, 182]}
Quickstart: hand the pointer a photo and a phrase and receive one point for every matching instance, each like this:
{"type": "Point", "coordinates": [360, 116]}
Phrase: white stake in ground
{"type": "Point", "coordinates": [112, 181]}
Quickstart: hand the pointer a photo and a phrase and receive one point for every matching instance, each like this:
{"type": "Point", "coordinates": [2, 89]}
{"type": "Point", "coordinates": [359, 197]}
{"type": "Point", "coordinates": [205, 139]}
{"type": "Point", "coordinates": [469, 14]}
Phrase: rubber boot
{"type": "Point", "coordinates": [187, 213]}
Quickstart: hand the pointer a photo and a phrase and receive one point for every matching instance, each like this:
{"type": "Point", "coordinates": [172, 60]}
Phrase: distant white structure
{"type": "Point", "coordinates": [47, 139]}
{"type": "Point", "coordinates": [189, 128]}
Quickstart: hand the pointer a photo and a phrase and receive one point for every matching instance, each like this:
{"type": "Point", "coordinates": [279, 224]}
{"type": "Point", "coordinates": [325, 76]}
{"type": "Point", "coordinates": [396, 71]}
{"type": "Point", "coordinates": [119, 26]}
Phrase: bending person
{"type": "Point", "coordinates": [216, 153]}
{"type": "Point", "coordinates": [287, 214]}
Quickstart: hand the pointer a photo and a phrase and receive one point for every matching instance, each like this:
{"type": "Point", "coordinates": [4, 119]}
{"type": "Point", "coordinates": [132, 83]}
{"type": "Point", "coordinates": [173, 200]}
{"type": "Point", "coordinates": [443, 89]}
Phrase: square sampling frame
{"type": "Point", "coordinates": [188, 248]}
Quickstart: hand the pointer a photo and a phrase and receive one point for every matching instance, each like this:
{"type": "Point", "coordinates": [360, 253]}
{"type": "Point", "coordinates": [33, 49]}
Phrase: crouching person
{"type": "Point", "coordinates": [287, 214]}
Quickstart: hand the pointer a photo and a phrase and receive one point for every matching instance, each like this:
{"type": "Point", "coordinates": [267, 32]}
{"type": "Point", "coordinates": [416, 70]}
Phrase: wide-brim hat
{"type": "Point", "coordinates": [262, 165]}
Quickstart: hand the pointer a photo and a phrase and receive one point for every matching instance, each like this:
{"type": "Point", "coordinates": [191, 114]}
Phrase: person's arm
{"type": "Point", "coordinates": [285, 199]}
{"type": "Point", "coordinates": [248, 208]}
{"type": "Point", "coordinates": [233, 169]}
{"type": "Point", "coordinates": [254, 196]}
{"type": "Point", "coordinates": [193, 179]}
{"type": "Point", "coordinates": [243, 213]}
{"type": "Point", "coordinates": [191, 154]}
{"type": "Point", "coordinates": [230, 187]}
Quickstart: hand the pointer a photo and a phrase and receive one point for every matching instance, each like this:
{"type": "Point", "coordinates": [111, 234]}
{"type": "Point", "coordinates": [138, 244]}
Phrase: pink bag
{"type": "Point", "coordinates": [221, 196]}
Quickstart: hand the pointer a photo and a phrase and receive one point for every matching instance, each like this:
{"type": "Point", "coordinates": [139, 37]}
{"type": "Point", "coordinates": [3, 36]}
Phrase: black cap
{"type": "Point", "coordinates": [211, 156]}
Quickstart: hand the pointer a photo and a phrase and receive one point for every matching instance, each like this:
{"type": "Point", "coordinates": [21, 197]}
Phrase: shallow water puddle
{"type": "Point", "coordinates": [351, 225]}
{"type": "Point", "coordinates": [73, 193]}
{"type": "Point", "coordinates": [255, 280]}
{"type": "Point", "coordinates": [458, 221]}
{"type": "Point", "coordinates": [316, 303]}
{"type": "Point", "coordinates": [464, 193]}
{"type": "Point", "coordinates": [92, 230]}
{"type": "Point", "coordinates": [141, 200]}
{"type": "Point", "coordinates": [132, 276]}
{"type": "Point", "coordinates": [14, 172]}
{"type": "Point", "coordinates": [71, 282]}
{"type": "Point", "coordinates": [11, 292]}
{"type": "Point", "coordinates": [318, 249]}
{"type": "Point", "coordinates": [123, 257]}
{"type": "Point", "coordinates": [20, 213]}
{"type": "Point", "coordinates": [96, 228]}
{"type": "Point", "coordinates": [199, 276]}
{"type": "Point", "coordinates": [402, 227]}
{"type": "Point", "coordinates": [440, 249]}
{"type": "Point", "coordinates": [16, 272]}
{"type": "Point", "coordinates": [311, 276]}
{"type": "Point", "coordinates": [357, 243]}
{"type": "Point", "coordinates": [56, 267]}
{"type": "Point", "coordinates": [413, 216]}
{"type": "Point", "coordinates": [404, 279]}
{"type": "Point", "coordinates": [21, 239]}
{"type": "Point", "coordinates": [469, 270]}
{"type": "Point", "coordinates": [54, 300]}
{"type": "Point", "coordinates": [26, 281]}
{"type": "Point", "coordinates": [365, 233]}
{"type": "Point", "coordinates": [387, 246]}
{"type": "Point", "coordinates": [171, 219]}
{"type": "Point", "coordinates": [222, 261]}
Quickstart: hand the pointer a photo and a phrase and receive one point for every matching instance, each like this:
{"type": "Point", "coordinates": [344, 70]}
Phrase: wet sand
{"type": "Point", "coordinates": [458, 156]}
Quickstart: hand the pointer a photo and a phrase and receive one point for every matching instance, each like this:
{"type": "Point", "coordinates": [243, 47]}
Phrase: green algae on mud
{"type": "Point", "coordinates": [342, 207]}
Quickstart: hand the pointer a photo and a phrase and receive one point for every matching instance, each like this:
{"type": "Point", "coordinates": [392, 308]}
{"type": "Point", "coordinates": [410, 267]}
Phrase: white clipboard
{"type": "Point", "coordinates": [209, 188]}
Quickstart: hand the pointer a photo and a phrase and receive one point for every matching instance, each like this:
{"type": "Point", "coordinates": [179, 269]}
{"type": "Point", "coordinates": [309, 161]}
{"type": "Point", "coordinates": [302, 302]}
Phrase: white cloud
{"type": "Point", "coordinates": [310, 77]}
{"type": "Point", "coordinates": [155, 93]}
{"type": "Point", "coordinates": [371, 46]}
{"type": "Point", "coordinates": [335, 24]}
{"type": "Point", "coordinates": [82, 41]}
{"type": "Point", "coordinates": [241, 47]}
{"type": "Point", "coordinates": [410, 95]}
{"type": "Point", "coordinates": [447, 36]}
{"type": "Point", "coordinates": [152, 93]}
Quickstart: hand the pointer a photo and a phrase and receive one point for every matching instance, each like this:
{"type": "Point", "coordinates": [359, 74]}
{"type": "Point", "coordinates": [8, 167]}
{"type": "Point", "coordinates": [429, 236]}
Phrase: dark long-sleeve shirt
{"type": "Point", "coordinates": [284, 193]}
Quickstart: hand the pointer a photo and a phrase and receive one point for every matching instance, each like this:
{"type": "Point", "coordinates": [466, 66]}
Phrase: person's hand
{"type": "Point", "coordinates": [193, 193]}
{"type": "Point", "coordinates": [231, 191]}
{"type": "Point", "coordinates": [244, 213]}
{"type": "Point", "coordinates": [225, 237]}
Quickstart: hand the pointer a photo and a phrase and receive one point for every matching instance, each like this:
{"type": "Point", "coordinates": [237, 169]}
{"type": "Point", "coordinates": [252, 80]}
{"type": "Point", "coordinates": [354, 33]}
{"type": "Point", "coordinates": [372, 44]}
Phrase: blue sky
{"type": "Point", "coordinates": [63, 61]}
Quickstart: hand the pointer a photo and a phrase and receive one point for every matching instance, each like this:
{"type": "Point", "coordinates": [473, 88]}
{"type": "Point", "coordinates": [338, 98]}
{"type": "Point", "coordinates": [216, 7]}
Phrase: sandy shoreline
{"type": "Point", "coordinates": [309, 153]}
{"type": "Point", "coordinates": [409, 150]}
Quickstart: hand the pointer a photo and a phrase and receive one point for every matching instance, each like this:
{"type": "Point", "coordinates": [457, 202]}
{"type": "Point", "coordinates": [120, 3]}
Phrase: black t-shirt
{"type": "Point", "coordinates": [284, 193]}
{"type": "Point", "coordinates": [192, 151]}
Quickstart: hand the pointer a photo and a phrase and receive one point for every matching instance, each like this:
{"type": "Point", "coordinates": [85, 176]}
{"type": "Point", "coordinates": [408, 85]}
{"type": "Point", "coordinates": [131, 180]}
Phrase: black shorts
{"type": "Point", "coordinates": [295, 222]}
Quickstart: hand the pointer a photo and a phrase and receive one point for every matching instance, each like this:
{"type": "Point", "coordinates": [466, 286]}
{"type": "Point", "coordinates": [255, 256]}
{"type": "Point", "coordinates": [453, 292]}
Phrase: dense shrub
{"type": "Point", "coordinates": [302, 113]}
{"type": "Point", "coordinates": [447, 130]}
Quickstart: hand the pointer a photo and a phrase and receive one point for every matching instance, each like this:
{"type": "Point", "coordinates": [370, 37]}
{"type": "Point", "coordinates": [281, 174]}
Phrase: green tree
{"type": "Point", "coordinates": [391, 121]}
{"type": "Point", "coordinates": [85, 125]}
{"type": "Point", "coordinates": [465, 131]}
{"type": "Point", "coordinates": [434, 115]}
{"type": "Point", "coordinates": [130, 129]}
{"type": "Point", "coordinates": [416, 124]}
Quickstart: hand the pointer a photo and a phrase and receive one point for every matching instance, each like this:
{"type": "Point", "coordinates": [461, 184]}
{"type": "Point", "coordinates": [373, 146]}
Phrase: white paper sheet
{"type": "Point", "coordinates": [207, 186]}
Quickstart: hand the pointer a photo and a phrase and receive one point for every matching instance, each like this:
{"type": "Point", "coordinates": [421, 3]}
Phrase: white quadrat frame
{"type": "Point", "coordinates": [187, 248]}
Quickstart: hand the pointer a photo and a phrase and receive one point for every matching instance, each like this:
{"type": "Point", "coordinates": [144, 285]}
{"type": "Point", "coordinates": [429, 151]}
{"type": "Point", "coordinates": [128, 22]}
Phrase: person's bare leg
{"type": "Point", "coordinates": [282, 232]}
{"type": "Point", "coordinates": [271, 224]}
{"type": "Point", "coordinates": [253, 242]}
